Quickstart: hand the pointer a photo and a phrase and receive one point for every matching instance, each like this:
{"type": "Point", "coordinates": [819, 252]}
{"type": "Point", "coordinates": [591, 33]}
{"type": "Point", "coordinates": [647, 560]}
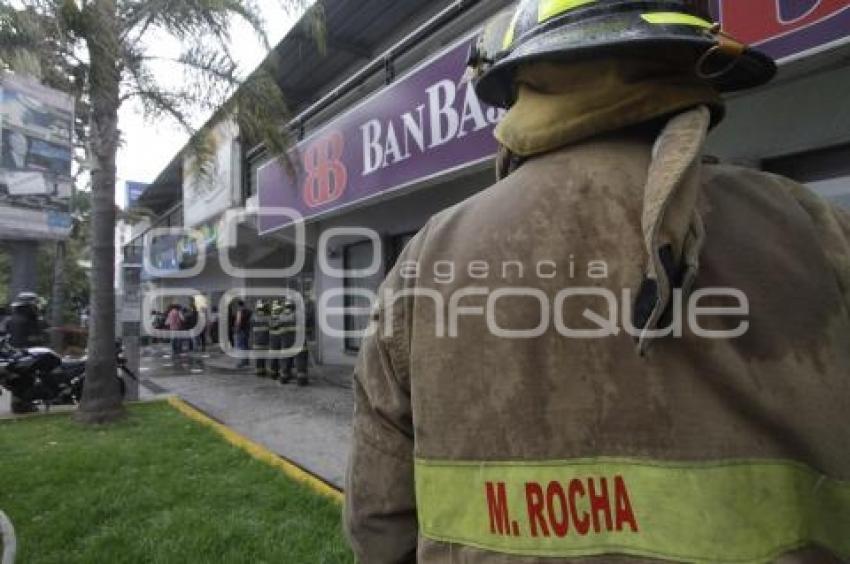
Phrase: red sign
{"type": "Point", "coordinates": [785, 28]}
{"type": "Point", "coordinates": [326, 175]}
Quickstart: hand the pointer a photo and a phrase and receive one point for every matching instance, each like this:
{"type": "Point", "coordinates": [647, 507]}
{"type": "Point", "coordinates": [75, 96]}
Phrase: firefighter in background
{"type": "Point", "coordinates": [26, 328]}
{"type": "Point", "coordinates": [276, 332]}
{"type": "Point", "coordinates": [289, 325]}
{"type": "Point", "coordinates": [637, 444]}
{"type": "Point", "coordinates": [260, 337]}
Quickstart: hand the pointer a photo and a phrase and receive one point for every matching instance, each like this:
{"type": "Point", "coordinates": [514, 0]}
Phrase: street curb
{"type": "Point", "coordinates": [62, 410]}
{"type": "Point", "coordinates": [257, 451]}
{"type": "Point", "coordinates": [13, 417]}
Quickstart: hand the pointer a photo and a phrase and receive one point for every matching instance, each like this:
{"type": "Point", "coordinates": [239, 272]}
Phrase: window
{"type": "Point", "coordinates": [826, 171]}
{"type": "Point", "coordinates": [133, 253]}
{"type": "Point", "coordinates": [395, 248]}
{"type": "Point", "coordinates": [175, 219]}
{"type": "Point", "coordinates": [358, 256]}
{"type": "Point", "coordinates": [249, 174]}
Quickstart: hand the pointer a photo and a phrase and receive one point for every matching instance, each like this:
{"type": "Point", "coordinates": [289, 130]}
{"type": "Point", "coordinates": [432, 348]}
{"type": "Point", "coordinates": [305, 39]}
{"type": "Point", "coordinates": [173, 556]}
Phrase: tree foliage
{"type": "Point", "coordinates": [101, 51]}
{"type": "Point", "coordinates": [47, 39]}
{"type": "Point", "coordinates": [32, 43]}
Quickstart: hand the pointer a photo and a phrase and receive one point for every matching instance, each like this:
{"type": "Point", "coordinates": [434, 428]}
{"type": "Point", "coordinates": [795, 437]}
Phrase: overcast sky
{"type": "Point", "coordinates": [150, 145]}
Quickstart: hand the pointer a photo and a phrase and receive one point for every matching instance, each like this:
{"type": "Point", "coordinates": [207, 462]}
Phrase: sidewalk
{"type": "Point", "coordinates": [309, 426]}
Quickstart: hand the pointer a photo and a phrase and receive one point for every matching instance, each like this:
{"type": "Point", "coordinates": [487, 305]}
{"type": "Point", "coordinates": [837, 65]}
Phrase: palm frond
{"type": "Point", "coordinates": [188, 18]}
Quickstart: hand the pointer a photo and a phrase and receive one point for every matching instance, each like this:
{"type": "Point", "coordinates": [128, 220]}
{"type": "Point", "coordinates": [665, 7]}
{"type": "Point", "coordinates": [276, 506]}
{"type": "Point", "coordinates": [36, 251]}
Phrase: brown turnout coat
{"type": "Point", "coordinates": [779, 392]}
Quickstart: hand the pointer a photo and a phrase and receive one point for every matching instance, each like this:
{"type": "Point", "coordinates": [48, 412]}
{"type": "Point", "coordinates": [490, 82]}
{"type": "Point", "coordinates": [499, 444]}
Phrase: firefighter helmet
{"type": "Point", "coordinates": [563, 30]}
{"type": "Point", "coordinates": [490, 44]}
{"type": "Point", "coordinates": [28, 299]}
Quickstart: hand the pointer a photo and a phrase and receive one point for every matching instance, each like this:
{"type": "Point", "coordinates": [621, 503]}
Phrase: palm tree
{"type": "Point", "coordinates": [100, 46]}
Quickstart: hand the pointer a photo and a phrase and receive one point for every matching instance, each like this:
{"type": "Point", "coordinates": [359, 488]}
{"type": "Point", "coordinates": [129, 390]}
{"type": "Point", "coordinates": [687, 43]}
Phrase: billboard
{"type": "Point", "coordinates": [23, 153]}
{"type": "Point", "coordinates": [34, 224]}
{"type": "Point", "coordinates": [36, 144]}
{"type": "Point", "coordinates": [134, 192]}
{"type": "Point", "coordinates": [424, 125]}
{"type": "Point", "coordinates": [787, 29]}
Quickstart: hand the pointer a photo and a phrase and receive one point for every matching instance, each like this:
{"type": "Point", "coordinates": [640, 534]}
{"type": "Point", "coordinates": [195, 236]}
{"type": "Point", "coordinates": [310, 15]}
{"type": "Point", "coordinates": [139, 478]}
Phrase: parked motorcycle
{"type": "Point", "coordinates": [40, 377]}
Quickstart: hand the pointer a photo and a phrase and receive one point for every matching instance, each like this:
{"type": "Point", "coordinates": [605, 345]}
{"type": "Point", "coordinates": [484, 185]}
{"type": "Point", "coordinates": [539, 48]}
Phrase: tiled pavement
{"type": "Point", "coordinates": [309, 426]}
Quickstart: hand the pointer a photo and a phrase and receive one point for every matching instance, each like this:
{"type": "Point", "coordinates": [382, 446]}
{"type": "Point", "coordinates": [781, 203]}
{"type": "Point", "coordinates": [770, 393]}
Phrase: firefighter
{"type": "Point", "coordinates": [276, 332]}
{"type": "Point", "coordinates": [289, 323]}
{"type": "Point", "coordinates": [26, 328]}
{"type": "Point", "coordinates": [684, 398]}
{"type": "Point", "coordinates": [260, 335]}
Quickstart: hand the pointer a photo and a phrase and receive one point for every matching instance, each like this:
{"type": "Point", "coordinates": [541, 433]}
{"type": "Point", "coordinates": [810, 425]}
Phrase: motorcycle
{"type": "Point", "coordinates": [38, 376]}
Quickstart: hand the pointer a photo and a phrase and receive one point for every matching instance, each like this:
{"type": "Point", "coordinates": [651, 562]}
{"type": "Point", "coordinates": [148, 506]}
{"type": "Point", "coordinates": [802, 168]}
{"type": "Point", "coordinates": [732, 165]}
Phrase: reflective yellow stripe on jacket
{"type": "Point", "coordinates": [742, 512]}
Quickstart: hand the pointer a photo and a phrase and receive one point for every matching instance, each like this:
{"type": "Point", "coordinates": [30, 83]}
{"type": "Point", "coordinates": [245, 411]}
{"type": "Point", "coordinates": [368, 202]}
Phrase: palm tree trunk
{"type": "Point", "coordinates": [102, 400]}
{"type": "Point", "coordinates": [57, 301]}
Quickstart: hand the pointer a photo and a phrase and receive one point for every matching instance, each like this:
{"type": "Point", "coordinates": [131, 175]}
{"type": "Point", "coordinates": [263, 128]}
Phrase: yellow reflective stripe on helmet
{"type": "Point", "coordinates": [675, 18]}
{"type": "Point", "coordinates": [741, 512]}
{"type": "Point", "coordinates": [548, 9]}
{"type": "Point", "coordinates": [510, 34]}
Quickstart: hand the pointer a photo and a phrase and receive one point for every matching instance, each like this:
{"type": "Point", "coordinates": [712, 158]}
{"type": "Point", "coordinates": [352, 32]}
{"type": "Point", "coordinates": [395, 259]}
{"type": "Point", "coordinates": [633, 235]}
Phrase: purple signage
{"type": "Point", "coordinates": [426, 124]}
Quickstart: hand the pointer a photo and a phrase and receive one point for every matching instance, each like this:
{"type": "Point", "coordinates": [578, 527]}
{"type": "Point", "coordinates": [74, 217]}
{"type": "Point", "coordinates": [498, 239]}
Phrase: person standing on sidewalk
{"type": "Point", "coordinates": [190, 322]}
{"type": "Point", "coordinates": [289, 323]}
{"type": "Point", "coordinates": [260, 335]}
{"type": "Point", "coordinates": [174, 323]}
{"type": "Point", "coordinates": [158, 320]}
{"type": "Point", "coordinates": [212, 326]}
{"type": "Point", "coordinates": [242, 331]}
{"type": "Point", "coordinates": [276, 330]}
{"type": "Point", "coordinates": [201, 339]}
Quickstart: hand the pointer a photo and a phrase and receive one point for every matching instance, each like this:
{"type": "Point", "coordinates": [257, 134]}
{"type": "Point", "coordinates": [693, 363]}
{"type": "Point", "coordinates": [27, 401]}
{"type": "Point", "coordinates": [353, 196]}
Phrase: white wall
{"type": "Point", "coordinates": [205, 196]}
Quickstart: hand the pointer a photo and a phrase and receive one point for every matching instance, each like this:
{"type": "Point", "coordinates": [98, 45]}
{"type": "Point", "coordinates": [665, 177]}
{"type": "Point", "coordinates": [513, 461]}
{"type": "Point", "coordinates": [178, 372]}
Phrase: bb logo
{"type": "Point", "coordinates": [791, 11]}
{"type": "Point", "coordinates": [327, 177]}
{"type": "Point", "coordinates": [759, 21]}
